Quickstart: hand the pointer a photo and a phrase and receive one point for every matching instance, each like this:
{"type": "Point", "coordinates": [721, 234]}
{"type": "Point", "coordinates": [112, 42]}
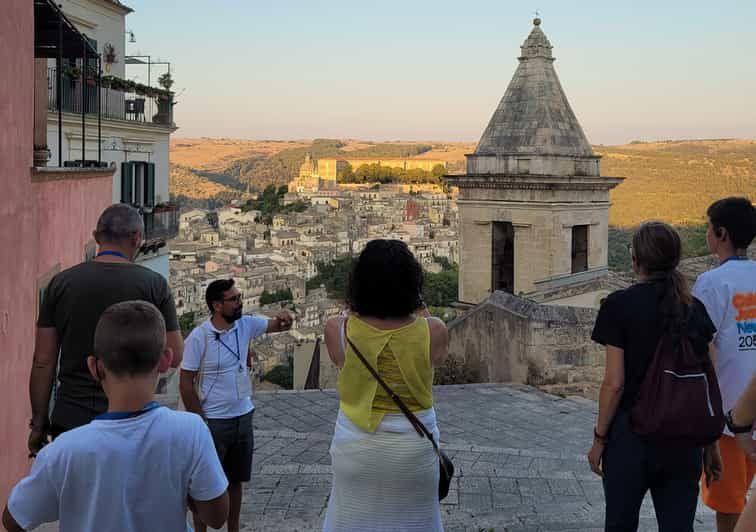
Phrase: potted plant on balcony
{"type": "Point", "coordinates": [73, 73]}
{"type": "Point", "coordinates": [166, 81]}
{"type": "Point", "coordinates": [164, 103]}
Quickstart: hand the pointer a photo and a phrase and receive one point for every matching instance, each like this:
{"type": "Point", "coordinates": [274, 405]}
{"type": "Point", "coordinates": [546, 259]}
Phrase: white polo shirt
{"type": "Point", "coordinates": [226, 387]}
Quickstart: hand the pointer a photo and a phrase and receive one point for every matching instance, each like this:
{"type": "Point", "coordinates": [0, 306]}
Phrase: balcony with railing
{"type": "Point", "coordinates": [119, 99]}
{"type": "Point", "coordinates": [161, 223]}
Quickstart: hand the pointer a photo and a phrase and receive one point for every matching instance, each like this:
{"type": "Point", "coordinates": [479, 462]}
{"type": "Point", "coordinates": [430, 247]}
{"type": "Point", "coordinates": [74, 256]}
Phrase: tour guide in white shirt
{"type": "Point", "coordinates": [215, 365]}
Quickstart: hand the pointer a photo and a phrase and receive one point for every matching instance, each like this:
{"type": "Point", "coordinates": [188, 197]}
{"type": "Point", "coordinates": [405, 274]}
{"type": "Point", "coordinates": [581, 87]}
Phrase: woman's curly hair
{"type": "Point", "coordinates": [386, 281]}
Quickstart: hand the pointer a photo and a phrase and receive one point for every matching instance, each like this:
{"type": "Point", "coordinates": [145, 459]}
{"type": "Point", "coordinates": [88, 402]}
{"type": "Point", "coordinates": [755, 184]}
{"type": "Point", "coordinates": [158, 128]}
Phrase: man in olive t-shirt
{"type": "Point", "coordinates": [73, 303]}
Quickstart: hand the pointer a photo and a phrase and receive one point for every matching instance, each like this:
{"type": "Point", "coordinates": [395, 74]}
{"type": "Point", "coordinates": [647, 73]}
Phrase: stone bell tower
{"type": "Point", "coordinates": [533, 205]}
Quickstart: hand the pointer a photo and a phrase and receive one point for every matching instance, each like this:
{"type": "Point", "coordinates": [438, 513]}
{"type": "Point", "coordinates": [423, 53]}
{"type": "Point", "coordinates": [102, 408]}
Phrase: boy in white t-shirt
{"type": "Point", "coordinates": [729, 294]}
{"type": "Point", "coordinates": [138, 466]}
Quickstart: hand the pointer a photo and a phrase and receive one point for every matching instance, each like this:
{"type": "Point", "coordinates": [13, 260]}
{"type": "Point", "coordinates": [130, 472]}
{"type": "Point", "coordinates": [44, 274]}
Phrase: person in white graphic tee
{"type": "Point", "coordinates": [729, 294]}
{"type": "Point", "coordinates": [215, 383]}
{"type": "Point", "coordinates": [138, 466]}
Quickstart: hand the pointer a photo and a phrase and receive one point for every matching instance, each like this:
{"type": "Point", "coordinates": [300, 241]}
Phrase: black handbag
{"type": "Point", "coordinates": [446, 467]}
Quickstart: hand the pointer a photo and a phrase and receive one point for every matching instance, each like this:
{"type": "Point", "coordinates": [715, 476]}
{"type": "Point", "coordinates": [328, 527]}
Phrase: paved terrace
{"type": "Point", "coordinates": [519, 455]}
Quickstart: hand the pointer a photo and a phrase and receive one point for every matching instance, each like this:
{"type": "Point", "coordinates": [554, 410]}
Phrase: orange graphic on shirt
{"type": "Point", "coordinates": [746, 305]}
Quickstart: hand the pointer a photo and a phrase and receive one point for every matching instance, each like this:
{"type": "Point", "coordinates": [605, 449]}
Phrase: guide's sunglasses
{"type": "Point", "coordinates": [236, 299]}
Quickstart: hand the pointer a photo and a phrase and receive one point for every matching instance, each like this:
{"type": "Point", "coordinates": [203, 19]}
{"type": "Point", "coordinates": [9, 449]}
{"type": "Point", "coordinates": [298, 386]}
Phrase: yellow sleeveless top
{"type": "Point", "coordinates": [401, 357]}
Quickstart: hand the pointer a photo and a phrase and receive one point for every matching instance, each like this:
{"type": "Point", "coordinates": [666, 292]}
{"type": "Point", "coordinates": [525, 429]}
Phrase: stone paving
{"type": "Point", "coordinates": [519, 456]}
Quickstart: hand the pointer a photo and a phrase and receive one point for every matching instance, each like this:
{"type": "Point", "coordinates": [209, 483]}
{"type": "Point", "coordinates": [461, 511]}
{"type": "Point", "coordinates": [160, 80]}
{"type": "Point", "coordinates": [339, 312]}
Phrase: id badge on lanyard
{"type": "Point", "coordinates": [243, 385]}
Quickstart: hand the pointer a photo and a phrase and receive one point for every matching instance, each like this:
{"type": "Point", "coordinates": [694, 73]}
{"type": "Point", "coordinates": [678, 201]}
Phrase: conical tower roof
{"type": "Point", "coordinates": [534, 116]}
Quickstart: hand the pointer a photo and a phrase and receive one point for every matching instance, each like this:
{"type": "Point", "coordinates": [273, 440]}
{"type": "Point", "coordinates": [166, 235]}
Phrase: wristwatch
{"type": "Point", "coordinates": [736, 429]}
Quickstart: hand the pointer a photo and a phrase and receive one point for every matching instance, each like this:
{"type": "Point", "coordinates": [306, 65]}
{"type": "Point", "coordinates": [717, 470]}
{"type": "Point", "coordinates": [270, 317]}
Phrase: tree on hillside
{"type": "Point", "coordinates": [186, 323]}
{"type": "Point", "coordinates": [212, 219]}
{"type": "Point", "coordinates": [441, 289]}
{"type": "Point", "coordinates": [282, 375]}
{"type": "Point", "coordinates": [333, 276]}
{"type": "Point", "coordinates": [266, 298]}
{"type": "Point", "coordinates": [346, 174]}
{"type": "Point", "coordinates": [270, 203]}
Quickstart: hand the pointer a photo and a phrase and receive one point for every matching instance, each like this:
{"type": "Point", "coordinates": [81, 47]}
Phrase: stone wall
{"type": "Point", "coordinates": [542, 242]}
{"type": "Point", "coordinates": [511, 339]}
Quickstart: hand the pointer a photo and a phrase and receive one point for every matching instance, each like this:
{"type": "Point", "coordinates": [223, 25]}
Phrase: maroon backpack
{"type": "Point", "coordinates": [679, 402]}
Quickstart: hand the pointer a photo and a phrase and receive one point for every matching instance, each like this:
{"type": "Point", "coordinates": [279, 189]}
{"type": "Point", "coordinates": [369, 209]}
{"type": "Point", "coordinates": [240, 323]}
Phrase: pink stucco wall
{"type": "Point", "coordinates": [18, 241]}
{"type": "Point", "coordinates": [42, 224]}
{"type": "Point", "coordinates": [67, 213]}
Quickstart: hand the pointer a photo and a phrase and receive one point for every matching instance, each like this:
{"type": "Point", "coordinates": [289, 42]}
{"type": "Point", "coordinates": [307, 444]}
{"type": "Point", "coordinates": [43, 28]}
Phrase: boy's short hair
{"type": "Point", "coordinates": [215, 291]}
{"type": "Point", "coordinates": [130, 338]}
{"type": "Point", "coordinates": [737, 216]}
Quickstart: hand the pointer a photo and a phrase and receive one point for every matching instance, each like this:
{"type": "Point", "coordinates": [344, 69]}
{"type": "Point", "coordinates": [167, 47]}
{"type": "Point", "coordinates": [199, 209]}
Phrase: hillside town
{"type": "Point", "coordinates": [272, 262]}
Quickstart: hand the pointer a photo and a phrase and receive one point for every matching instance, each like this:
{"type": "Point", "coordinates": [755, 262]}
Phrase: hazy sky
{"type": "Point", "coordinates": [436, 69]}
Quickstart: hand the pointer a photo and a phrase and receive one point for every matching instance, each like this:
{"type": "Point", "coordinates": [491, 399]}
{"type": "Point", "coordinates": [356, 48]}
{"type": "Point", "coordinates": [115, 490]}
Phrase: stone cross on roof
{"type": "Point", "coordinates": [534, 116]}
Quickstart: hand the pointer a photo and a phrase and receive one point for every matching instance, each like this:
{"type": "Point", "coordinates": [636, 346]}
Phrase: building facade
{"type": "Point", "coordinates": [134, 125]}
{"type": "Point", "coordinates": [47, 213]}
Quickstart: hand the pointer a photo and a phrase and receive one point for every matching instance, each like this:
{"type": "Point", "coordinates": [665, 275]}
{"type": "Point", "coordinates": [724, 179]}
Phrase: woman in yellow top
{"type": "Point", "coordinates": [385, 476]}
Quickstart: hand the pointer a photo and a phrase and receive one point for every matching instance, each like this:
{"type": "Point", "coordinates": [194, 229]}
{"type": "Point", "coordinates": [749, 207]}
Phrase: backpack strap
{"type": "Point", "coordinates": [201, 370]}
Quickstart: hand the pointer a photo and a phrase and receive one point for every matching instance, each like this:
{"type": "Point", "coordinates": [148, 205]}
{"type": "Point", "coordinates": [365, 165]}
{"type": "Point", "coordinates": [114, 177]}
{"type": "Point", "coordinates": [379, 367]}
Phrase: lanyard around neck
{"type": "Point", "coordinates": [236, 353]}
{"type": "Point", "coordinates": [152, 405]}
{"type": "Point", "coordinates": [112, 254]}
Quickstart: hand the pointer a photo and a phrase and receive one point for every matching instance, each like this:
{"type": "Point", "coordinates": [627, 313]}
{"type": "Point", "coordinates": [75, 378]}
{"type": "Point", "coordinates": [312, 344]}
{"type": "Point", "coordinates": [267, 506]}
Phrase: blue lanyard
{"type": "Point", "coordinates": [734, 257]}
{"type": "Point", "coordinates": [112, 253]}
{"type": "Point", "coordinates": [236, 353]}
{"type": "Point", "coordinates": [152, 405]}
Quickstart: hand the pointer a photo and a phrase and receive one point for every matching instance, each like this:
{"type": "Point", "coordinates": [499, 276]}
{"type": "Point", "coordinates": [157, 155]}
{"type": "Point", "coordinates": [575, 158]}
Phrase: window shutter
{"type": "Point", "coordinates": [149, 189]}
{"type": "Point", "coordinates": [127, 178]}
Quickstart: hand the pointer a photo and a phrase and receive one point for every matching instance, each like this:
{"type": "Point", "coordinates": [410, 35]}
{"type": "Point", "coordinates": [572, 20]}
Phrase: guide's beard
{"type": "Point", "coordinates": [230, 318]}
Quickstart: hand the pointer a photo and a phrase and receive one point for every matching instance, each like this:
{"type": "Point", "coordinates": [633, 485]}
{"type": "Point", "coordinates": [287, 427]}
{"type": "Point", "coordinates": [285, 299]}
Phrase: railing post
{"type": "Point", "coordinates": [59, 64]}
{"type": "Point", "coordinates": [99, 111]}
{"type": "Point", "coordinates": [83, 103]}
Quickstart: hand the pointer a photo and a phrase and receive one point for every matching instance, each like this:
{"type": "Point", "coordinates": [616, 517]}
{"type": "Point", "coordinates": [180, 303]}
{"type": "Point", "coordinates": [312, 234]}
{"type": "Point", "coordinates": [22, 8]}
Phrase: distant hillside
{"type": "Point", "coordinates": [187, 182]}
{"type": "Point", "coordinates": [235, 164]}
{"type": "Point", "coordinates": [673, 180]}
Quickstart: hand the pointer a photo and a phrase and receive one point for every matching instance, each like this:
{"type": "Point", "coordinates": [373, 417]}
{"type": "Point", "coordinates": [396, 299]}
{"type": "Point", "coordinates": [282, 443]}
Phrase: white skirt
{"type": "Point", "coordinates": [386, 480]}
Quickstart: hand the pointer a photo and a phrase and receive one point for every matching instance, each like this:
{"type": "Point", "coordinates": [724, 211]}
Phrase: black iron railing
{"type": "Point", "coordinates": [161, 223]}
{"type": "Point", "coordinates": [114, 104]}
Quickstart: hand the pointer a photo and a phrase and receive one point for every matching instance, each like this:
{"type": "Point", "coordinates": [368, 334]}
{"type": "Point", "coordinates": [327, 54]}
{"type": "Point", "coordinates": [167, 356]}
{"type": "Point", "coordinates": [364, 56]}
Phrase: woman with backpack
{"type": "Point", "coordinates": [658, 375]}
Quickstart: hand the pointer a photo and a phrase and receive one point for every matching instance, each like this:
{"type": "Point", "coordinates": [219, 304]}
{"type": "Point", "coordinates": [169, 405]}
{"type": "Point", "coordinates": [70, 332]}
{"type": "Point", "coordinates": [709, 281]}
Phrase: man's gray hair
{"type": "Point", "coordinates": [118, 222]}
